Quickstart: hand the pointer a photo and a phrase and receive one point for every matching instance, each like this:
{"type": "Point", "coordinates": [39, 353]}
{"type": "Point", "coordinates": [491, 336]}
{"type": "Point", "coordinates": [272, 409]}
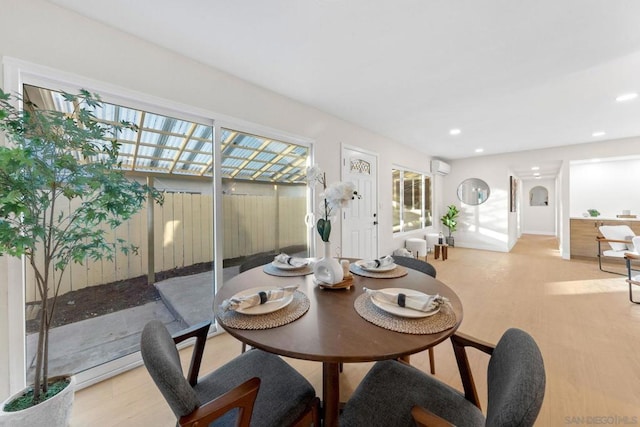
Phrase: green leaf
{"type": "Point", "coordinates": [449, 219]}
{"type": "Point", "coordinates": [324, 229]}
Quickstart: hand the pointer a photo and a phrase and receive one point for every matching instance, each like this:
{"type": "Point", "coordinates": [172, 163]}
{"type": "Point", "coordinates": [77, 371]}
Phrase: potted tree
{"type": "Point", "coordinates": [59, 181]}
{"type": "Point", "coordinates": [450, 220]}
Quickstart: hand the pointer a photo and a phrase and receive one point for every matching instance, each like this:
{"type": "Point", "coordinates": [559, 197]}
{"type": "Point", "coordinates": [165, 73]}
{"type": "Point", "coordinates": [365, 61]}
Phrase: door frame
{"type": "Point", "coordinates": [343, 172]}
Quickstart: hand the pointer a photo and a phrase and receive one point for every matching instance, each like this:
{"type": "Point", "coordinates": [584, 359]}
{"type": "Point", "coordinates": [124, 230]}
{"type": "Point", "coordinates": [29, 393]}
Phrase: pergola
{"type": "Point", "coordinates": [170, 146]}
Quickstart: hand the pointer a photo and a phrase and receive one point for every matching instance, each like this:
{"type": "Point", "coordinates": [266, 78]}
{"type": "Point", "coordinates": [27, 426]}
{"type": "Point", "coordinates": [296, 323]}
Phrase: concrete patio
{"type": "Point", "coordinates": [78, 346]}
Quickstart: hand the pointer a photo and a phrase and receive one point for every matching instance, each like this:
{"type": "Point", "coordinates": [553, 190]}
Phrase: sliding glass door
{"type": "Point", "coordinates": [104, 303]}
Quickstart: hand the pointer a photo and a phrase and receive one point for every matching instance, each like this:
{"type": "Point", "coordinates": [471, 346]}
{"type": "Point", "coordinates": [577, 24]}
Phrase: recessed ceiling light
{"type": "Point", "coordinates": [538, 177]}
{"type": "Point", "coordinates": [536, 174]}
{"type": "Point", "coordinates": [597, 134]}
{"type": "Point", "coordinates": [535, 168]}
{"type": "Point", "coordinates": [454, 132]}
{"type": "Point", "coordinates": [627, 97]}
{"type": "Point", "coordinates": [479, 150]}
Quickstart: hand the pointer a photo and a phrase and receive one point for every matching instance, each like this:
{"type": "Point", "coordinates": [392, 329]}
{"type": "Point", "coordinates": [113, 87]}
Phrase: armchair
{"type": "Point", "coordinates": [255, 387]}
{"type": "Point", "coordinates": [619, 238]}
{"type": "Point", "coordinates": [397, 394]}
{"type": "Point", "coordinates": [633, 272]}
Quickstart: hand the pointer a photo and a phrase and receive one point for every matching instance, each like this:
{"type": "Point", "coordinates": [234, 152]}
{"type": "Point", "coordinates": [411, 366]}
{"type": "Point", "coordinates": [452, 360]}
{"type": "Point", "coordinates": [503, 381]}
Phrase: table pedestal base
{"type": "Point", "coordinates": [330, 393]}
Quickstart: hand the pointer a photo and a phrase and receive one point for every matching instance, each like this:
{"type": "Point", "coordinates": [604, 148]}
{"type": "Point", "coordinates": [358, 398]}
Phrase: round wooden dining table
{"type": "Point", "coordinates": [331, 331]}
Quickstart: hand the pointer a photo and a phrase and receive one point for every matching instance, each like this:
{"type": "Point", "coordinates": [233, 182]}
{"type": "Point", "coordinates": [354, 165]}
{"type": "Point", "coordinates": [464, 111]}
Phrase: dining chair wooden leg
{"type": "Point", "coordinates": [432, 361]}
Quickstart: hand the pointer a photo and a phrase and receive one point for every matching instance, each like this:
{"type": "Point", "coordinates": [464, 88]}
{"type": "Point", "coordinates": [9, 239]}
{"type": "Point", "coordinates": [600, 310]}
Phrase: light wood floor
{"type": "Point", "coordinates": [587, 329]}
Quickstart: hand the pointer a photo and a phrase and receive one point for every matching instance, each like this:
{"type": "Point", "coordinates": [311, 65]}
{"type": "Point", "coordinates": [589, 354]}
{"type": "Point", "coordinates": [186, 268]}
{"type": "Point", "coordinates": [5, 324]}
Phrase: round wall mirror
{"type": "Point", "coordinates": [473, 191]}
{"type": "Point", "coordinates": [538, 196]}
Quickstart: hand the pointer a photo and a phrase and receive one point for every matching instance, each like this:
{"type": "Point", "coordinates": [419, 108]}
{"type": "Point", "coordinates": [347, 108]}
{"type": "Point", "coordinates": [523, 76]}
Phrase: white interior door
{"type": "Point", "coordinates": [360, 219]}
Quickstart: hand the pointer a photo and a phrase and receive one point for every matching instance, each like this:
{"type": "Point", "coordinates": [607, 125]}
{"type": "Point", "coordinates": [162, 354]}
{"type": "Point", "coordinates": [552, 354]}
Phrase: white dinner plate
{"type": "Point", "coordinates": [267, 307]}
{"type": "Point", "coordinates": [362, 265]}
{"type": "Point", "coordinates": [284, 266]}
{"type": "Point", "coordinates": [402, 311]}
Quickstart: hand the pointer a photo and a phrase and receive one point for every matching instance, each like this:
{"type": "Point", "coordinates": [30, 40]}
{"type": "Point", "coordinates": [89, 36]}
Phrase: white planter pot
{"type": "Point", "coordinates": [55, 412]}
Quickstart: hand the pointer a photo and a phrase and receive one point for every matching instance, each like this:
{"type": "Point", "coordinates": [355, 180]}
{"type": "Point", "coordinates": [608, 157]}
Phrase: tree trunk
{"type": "Point", "coordinates": [37, 379]}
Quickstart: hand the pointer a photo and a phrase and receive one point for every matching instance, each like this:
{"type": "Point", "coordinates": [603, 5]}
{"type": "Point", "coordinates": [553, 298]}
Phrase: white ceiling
{"type": "Point", "coordinates": [511, 75]}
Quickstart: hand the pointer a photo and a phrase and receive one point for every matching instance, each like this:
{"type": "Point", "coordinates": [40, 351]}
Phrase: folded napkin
{"type": "Point", "coordinates": [422, 302]}
{"type": "Point", "coordinates": [292, 261]}
{"type": "Point", "coordinates": [380, 262]}
{"type": "Point", "coordinates": [258, 298]}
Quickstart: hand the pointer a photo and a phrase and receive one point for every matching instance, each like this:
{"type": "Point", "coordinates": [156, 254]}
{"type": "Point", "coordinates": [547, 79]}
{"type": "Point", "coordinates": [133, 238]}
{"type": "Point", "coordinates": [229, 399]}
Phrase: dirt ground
{"type": "Point", "coordinates": [103, 299]}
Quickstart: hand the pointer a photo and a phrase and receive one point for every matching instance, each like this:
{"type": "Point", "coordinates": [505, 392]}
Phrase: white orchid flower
{"type": "Point", "coordinates": [314, 175]}
{"type": "Point", "coordinates": [338, 195]}
{"type": "Point", "coordinates": [335, 196]}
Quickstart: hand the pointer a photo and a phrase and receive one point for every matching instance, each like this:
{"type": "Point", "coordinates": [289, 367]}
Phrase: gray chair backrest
{"type": "Point", "coordinates": [415, 264]}
{"type": "Point", "coordinates": [162, 360]}
{"type": "Point", "coordinates": [515, 380]}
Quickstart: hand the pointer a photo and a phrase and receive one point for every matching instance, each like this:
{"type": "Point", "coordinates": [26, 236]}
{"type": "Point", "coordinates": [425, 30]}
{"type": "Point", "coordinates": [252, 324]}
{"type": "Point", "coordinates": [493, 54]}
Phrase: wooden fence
{"type": "Point", "coordinates": [183, 236]}
{"type": "Point", "coordinates": [254, 224]}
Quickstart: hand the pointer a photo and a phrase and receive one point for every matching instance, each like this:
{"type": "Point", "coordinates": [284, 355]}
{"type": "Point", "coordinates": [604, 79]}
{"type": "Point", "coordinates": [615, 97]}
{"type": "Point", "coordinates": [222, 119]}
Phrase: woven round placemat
{"type": "Point", "coordinates": [275, 271]}
{"type": "Point", "coordinates": [439, 322]}
{"type": "Point", "coordinates": [399, 271]}
{"type": "Point", "coordinates": [296, 308]}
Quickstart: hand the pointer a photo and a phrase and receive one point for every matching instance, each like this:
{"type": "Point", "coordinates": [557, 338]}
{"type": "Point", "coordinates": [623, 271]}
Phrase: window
{"type": "Point", "coordinates": [264, 195]}
{"type": "Point", "coordinates": [411, 200]}
{"type": "Point", "coordinates": [264, 204]}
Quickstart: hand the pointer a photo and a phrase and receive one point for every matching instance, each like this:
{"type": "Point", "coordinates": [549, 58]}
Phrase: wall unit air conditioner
{"type": "Point", "coordinates": [439, 167]}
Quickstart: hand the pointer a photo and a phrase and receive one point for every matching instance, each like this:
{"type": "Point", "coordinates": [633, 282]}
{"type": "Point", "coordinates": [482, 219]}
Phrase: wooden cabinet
{"type": "Point", "coordinates": [584, 232]}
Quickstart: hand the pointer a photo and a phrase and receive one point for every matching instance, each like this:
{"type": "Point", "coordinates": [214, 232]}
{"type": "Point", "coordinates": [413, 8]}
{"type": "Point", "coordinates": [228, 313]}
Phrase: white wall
{"type": "Point", "coordinates": [491, 226]}
{"type": "Point", "coordinates": [610, 186]}
{"type": "Point", "coordinates": [539, 219]}
{"type": "Point", "coordinates": [485, 226]}
{"type": "Point", "coordinates": [41, 33]}
{"type": "Point", "coordinates": [562, 212]}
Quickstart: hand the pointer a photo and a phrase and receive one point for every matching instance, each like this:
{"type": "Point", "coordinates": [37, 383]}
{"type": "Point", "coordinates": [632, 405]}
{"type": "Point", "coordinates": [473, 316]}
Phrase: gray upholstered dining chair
{"type": "Point", "coordinates": [426, 268]}
{"type": "Point", "coordinates": [416, 264]}
{"type": "Point", "coordinates": [256, 388]}
{"type": "Point", "coordinates": [396, 394]}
